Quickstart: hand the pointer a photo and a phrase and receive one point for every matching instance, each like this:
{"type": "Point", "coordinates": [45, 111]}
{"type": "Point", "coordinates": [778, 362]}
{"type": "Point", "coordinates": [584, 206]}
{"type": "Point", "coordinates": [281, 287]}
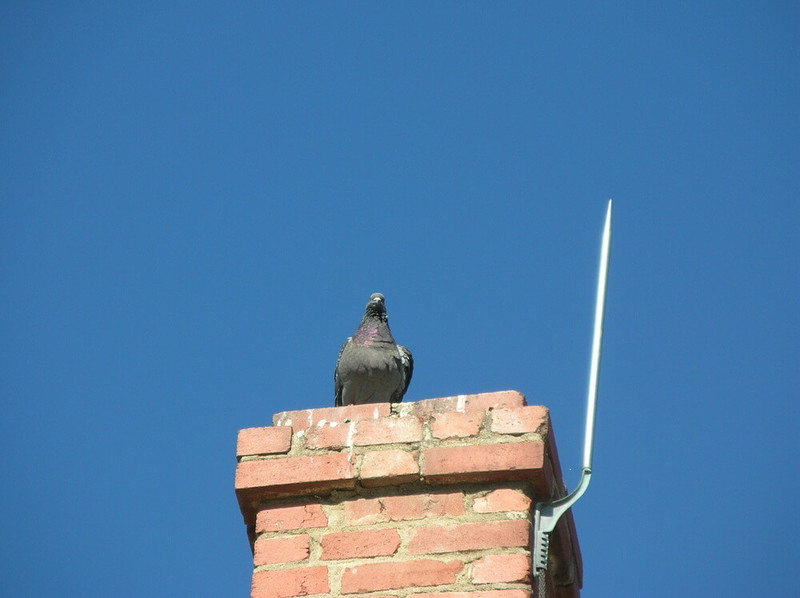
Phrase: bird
{"type": "Point", "coordinates": [371, 367]}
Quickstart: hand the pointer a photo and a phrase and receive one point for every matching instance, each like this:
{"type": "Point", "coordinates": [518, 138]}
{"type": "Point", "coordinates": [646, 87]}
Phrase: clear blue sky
{"type": "Point", "coordinates": [199, 197]}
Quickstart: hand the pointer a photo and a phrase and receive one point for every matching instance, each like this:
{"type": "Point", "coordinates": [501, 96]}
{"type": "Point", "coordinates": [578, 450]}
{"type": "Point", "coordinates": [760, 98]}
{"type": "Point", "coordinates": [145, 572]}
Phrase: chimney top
{"type": "Point", "coordinates": [435, 494]}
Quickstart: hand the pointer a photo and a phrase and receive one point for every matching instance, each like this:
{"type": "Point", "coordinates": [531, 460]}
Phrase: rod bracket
{"type": "Point", "coordinates": [545, 519]}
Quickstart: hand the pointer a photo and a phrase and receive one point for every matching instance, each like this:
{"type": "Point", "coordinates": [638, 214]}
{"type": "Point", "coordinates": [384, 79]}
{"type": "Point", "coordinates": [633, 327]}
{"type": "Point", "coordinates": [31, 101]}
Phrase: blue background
{"type": "Point", "coordinates": [199, 197]}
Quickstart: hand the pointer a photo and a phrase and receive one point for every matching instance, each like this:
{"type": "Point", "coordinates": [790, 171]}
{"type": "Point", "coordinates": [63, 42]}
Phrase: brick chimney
{"type": "Point", "coordinates": [431, 499]}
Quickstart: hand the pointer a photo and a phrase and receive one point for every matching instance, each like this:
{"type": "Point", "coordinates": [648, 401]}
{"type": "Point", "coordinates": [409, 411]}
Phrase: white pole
{"type": "Point", "coordinates": [547, 514]}
{"type": "Point", "coordinates": [597, 342]}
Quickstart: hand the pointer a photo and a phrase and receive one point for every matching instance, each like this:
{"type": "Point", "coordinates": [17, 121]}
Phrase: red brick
{"type": "Point", "coordinates": [478, 594]}
{"type": "Point", "coordinates": [387, 430]}
{"type": "Point", "coordinates": [381, 468]}
{"type": "Point", "coordinates": [277, 519]}
{"type": "Point", "coordinates": [360, 544]}
{"type": "Point", "coordinates": [280, 550]}
{"type": "Point", "coordinates": [300, 420]}
{"type": "Point", "coordinates": [469, 536]}
{"type": "Point", "coordinates": [456, 425]}
{"type": "Point", "coordinates": [468, 403]}
{"type": "Point", "coordinates": [503, 499]}
{"type": "Point", "coordinates": [404, 574]}
{"type": "Point", "coordinates": [364, 511]}
{"type": "Point", "coordinates": [264, 441]}
{"type": "Point", "coordinates": [520, 420]}
{"type": "Point", "coordinates": [328, 435]}
{"type": "Point", "coordinates": [367, 511]}
{"type": "Point", "coordinates": [485, 462]}
{"type": "Point", "coordinates": [502, 568]}
{"type": "Point", "coordinates": [295, 471]}
{"type": "Point", "coordinates": [492, 400]}
{"type": "Point", "coordinates": [285, 583]}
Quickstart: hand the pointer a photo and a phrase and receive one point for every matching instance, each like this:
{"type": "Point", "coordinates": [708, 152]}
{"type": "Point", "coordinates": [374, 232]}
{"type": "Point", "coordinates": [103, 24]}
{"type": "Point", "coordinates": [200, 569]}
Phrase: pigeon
{"type": "Point", "coordinates": [371, 367]}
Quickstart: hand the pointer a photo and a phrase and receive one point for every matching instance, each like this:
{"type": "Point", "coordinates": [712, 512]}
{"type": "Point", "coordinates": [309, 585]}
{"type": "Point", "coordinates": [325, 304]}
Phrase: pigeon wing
{"type": "Point", "coordinates": [338, 385]}
{"type": "Point", "coordinates": [407, 365]}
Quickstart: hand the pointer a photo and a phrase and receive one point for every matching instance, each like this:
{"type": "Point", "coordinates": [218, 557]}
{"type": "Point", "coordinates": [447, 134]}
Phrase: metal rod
{"type": "Point", "coordinates": [597, 342]}
{"type": "Point", "coordinates": [547, 514]}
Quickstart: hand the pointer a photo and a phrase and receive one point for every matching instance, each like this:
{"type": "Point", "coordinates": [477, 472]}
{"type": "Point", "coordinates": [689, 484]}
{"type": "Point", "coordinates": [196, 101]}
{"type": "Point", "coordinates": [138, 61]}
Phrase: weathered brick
{"type": "Point", "coordinates": [382, 468]}
{"type": "Point", "coordinates": [300, 420]}
{"type": "Point", "coordinates": [503, 499]}
{"type": "Point", "coordinates": [360, 544]}
{"type": "Point", "coordinates": [484, 462]}
{"type": "Point", "coordinates": [263, 441]}
{"type": "Point", "coordinates": [373, 577]}
{"type": "Point", "coordinates": [468, 403]}
{"type": "Point", "coordinates": [277, 519]}
{"type": "Point", "coordinates": [520, 420]}
{"type": "Point", "coordinates": [469, 536]}
{"type": "Point", "coordinates": [502, 568]}
{"type": "Point", "coordinates": [280, 550]}
{"type": "Point", "coordinates": [456, 425]}
{"type": "Point", "coordinates": [367, 511]}
{"type": "Point", "coordinates": [333, 470]}
{"type": "Point", "coordinates": [493, 400]}
{"type": "Point", "coordinates": [387, 430]}
{"type": "Point", "coordinates": [286, 583]}
{"type": "Point", "coordinates": [478, 594]}
{"type": "Point", "coordinates": [328, 435]}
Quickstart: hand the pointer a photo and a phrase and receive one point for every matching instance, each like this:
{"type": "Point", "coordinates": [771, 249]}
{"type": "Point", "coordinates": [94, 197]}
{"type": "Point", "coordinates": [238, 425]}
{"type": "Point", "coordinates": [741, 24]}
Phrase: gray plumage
{"type": "Point", "coordinates": [371, 367]}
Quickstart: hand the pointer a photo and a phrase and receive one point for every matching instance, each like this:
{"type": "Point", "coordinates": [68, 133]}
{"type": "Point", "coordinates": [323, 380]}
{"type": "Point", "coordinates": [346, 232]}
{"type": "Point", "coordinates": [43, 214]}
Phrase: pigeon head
{"type": "Point", "coordinates": [376, 307]}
